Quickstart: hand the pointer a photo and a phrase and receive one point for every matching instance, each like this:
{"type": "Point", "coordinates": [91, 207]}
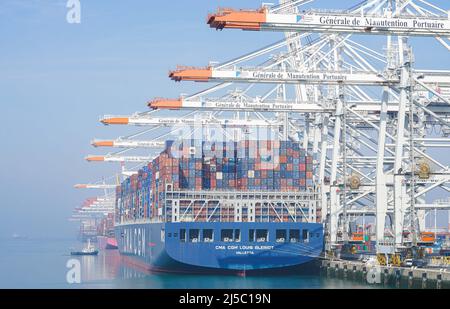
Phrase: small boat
{"type": "Point", "coordinates": [89, 250]}
{"type": "Point", "coordinates": [17, 236]}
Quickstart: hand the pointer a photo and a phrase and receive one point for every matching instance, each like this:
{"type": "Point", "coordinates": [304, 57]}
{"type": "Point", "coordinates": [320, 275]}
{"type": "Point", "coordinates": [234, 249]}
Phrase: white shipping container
{"type": "Point", "coordinates": [251, 174]}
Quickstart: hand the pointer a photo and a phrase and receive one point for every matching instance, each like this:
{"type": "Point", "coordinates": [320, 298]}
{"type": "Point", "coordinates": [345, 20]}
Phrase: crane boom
{"type": "Point", "coordinates": [94, 186]}
{"type": "Point", "coordinates": [129, 173]}
{"type": "Point", "coordinates": [116, 158]}
{"type": "Point", "coordinates": [128, 143]}
{"type": "Point", "coordinates": [152, 121]}
{"type": "Point", "coordinates": [260, 75]}
{"type": "Point", "coordinates": [336, 22]}
{"type": "Point", "coordinates": [256, 105]}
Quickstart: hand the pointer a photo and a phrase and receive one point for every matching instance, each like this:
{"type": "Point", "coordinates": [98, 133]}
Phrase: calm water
{"type": "Point", "coordinates": [32, 263]}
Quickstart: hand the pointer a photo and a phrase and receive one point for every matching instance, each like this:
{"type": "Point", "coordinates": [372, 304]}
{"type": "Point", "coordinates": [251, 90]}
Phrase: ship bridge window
{"type": "Point", "coordinates": [182, 235]}
{"type": "Point", "coordinates": [305, 236]}
{"type": "Point", "coordinates": [208, 235]}
{"type": "Point", "coordinates": [251, 235]}
{"type": "Point", "coordinates": [294, 235]}
{"type": "Point", "coordinates": [262, 235]}
{"type": "Point", "coordinates": [237, 235]}
{"type": "Point", "coordinates": [281, 235]}
{"type": "Point", "coordinates": [194, 235]}
{"type": "Point", "coordinates": [226, 235]}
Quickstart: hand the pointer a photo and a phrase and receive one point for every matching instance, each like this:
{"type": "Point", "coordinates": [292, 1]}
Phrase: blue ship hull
{"type": "Point", "coordinates": [203, 247]}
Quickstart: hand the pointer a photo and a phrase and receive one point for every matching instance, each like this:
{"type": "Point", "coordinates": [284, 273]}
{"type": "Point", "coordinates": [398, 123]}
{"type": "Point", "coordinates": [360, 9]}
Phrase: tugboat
{"type": "Point", "coordinates": [89, 250]}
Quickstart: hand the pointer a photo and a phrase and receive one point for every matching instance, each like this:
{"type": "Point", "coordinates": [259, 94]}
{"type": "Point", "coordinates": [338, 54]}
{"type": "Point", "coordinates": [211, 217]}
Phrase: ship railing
{"type": "Point", "coordinates": [212, 206]}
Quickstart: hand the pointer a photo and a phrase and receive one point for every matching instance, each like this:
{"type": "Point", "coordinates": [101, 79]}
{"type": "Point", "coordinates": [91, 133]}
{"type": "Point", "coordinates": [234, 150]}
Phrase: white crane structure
{"type": "Point", "coordinates": [94, 186]}
{"type": "Point", "coordinates": [363, 113]}
{"type": "Point", "coordinates": [129, 143]}
{"type": "Point", "coordinates": [94, 210]}
{"type": "Point", "coordinates": [95, 207]}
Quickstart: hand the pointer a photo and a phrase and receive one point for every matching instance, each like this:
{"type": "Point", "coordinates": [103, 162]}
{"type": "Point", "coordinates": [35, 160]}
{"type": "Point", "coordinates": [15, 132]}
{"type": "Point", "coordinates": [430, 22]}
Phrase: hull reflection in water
{"type": "Point", "coordinates": [105, 266]}
{"type": "Point", "coordinates": [110, 270]}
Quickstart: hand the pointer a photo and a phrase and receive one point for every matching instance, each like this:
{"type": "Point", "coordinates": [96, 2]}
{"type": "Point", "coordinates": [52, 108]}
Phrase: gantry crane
{"type": "Point", "coordinates": [172, 121]}
{"type": "Point", "coordinates": [129, 143]}
{"type": "Point", "coordinates": [371, 150]}
{"type": "Point", "coordinates": [393, 165]}
{"type": "Point", "coordinates": [94, 186]}
{"type": "Point", "coordinates": [395, 18]}
{"type": "Point", "coordinates": [118, 158]}
{"type": "Point", "coordinates": [91, 211]}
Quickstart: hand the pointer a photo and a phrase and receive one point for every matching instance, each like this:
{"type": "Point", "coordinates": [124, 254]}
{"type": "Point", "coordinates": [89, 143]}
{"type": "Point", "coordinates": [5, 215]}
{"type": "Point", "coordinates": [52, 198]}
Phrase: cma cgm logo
{"type": "Point", "coordinates": [299, 18]}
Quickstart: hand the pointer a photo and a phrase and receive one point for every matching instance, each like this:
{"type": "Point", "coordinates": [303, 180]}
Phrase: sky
{"type": "Point", "coordinates": [57, 79]}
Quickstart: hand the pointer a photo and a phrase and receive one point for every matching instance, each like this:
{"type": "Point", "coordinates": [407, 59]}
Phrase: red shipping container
{"type": "Point", "coordinates": [267, 166]}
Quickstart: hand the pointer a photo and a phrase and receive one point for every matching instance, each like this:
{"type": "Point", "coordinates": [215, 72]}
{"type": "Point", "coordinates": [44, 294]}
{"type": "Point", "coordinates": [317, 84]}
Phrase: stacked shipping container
{"type": "Point", "coordinates": [196, 165]}
{"type": "Point", "coordinates": [106, 225]}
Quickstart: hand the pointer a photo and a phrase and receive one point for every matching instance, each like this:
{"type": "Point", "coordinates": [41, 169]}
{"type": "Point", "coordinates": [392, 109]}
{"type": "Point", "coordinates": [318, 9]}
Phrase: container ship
{"type": "Point", "coordinates": [227, 207]}
{"type": "Point", "coordinates": [105, 233]}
